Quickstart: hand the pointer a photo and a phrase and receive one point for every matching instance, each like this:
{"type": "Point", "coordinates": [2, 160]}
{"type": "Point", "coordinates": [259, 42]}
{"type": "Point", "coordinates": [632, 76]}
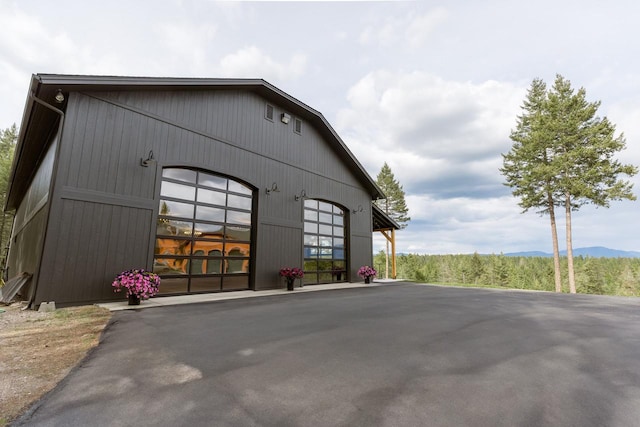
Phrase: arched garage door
{"type": "Point", "coordinates": [203, 234]}
{"type": "Point", "coordinates": [325, 257]}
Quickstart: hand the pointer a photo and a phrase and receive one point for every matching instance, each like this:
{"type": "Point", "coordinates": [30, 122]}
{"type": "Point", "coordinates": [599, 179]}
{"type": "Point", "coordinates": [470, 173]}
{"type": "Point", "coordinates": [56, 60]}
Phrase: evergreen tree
{"type": "Point", "coordinates": [585, 165]}
{"type": "Point", "coordinates": [394, 204]}
{"type": "Point", "coordinates": [500, 270]}
{"type": "Point", "coordinates": [526, 166]}
{"type": "Point", "coordinates": [563, 155]}
{"type": "Point", "coordinates": [476, 268]}
{"type": "Point", "coordinates": [8, 138]}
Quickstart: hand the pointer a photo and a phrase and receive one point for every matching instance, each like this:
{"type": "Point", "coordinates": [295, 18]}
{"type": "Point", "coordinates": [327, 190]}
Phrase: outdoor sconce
{"type": "Point", "coordinates": [273, 189]}
{"type": "Point", "coordinates": [59, 97]}
{"type": "Point", "coordinates": [359, 209]}
{"type": "Point", "coordinates": [285, 118]}
{"type": "Point", "coordinates": [146, 162]}
{"type": "Point", "coordinates": [302, 195]}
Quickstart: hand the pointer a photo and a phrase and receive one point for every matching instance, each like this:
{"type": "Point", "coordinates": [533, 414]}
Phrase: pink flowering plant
{"type": "Point", "coordinates": [142, 283]}
{"type": "Point", "coordinates": [292, 273]}
{"type": "Point", "coordinates": [367, 272]}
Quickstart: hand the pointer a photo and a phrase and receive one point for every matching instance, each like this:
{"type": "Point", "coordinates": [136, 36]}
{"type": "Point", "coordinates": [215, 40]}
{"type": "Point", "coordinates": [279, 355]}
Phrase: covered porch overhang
{"type": "Point", "coordinates": [387, 227]}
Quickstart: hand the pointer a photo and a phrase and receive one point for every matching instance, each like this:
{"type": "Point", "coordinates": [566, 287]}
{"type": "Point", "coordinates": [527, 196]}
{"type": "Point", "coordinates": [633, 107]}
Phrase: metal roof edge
{"type": "Point", "coordinates": [108, 80]}
{"type": "Point", "coordinates": [71, 80]}
{"type": "Point", "coordinates": [383, 213]}
{"type": "Point", "coordinates": [26, 117]}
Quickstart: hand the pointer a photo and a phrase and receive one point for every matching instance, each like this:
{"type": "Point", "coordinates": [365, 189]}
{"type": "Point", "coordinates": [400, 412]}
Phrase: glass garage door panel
{"type": "Point", "coordinates": [324, 248]}
{"type": "Point", "coordinates": [203, 233]}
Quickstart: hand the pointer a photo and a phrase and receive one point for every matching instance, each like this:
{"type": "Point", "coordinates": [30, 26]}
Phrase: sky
{"type": "Point", "coordinates": [433, 88]}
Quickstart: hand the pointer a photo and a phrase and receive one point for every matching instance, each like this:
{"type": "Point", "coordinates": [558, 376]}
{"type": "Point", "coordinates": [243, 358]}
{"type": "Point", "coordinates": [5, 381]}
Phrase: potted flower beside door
{"type": "Point", "coordinates": [138, 283]}
{"type": "Point", "coordinates": [291, 274]}
{"type": "Point", "coordinates": [367, 273]}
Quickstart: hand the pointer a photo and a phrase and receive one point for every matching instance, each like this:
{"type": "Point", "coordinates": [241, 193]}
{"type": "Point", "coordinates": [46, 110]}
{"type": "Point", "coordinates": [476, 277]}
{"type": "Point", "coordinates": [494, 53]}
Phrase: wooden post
{"type": "Point", "coordinates": [391, 239]}
{"type": "Point", "coordinates": [393, 253]}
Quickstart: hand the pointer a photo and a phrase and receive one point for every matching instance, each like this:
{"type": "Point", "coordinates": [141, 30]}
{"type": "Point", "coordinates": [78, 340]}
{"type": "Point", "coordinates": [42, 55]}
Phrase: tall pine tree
{"type": "Point", "coordinates": [394, 204]}
{"type": "Point", "coordinates": [585, 162]}
{"type": "Point", "coordinates": [563, 156]}
{"type": "Point", "coordinates": [525, 166]}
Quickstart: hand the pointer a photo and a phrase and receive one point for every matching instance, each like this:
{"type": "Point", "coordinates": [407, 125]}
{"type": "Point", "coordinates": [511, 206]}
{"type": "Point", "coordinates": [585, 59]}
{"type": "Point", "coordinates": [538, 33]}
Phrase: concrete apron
{"type": "Point", "coordinates": [222, 296]}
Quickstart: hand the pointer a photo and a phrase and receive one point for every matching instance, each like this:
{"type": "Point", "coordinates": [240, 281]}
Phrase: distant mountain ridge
{"type": "Point", "coordinates": [594, 252]}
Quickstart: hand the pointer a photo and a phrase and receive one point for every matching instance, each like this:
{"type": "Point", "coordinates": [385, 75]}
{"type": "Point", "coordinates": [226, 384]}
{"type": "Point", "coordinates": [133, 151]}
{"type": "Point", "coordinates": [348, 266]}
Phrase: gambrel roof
{"type": "Point", "coordinates": [39, 119]}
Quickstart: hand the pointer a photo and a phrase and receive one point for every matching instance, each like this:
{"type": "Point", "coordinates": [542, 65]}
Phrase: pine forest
{"type": "Point", "coordinates": [605, 276]}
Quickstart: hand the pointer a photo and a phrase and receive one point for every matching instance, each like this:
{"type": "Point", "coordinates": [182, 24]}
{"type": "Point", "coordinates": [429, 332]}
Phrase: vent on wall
{"type": "Point", "coordinates": [268, 112]}
{"type": "Point", "coordinates": [297, 126]}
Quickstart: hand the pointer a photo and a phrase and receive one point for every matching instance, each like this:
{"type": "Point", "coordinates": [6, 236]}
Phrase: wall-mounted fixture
{"type": "Point", "coordinates": [358, 209]}
{"type": "Point", "coordinates": [302, 195]}
{"type": "Point", "coordinates": [59, 97]}
{"type": "Point", "coordinates": [285, 118]}
{"type": "Point", "coordinates": [273, 189]}
{"type": "Point", "coordinates": [146, 162]}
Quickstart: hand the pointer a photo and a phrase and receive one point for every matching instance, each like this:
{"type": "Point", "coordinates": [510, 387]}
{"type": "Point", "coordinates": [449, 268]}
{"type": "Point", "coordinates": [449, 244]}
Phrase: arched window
{"type": "Point", "coordinates": [325, 259]}
{"type": "Point", "coordinates": [204, 223]}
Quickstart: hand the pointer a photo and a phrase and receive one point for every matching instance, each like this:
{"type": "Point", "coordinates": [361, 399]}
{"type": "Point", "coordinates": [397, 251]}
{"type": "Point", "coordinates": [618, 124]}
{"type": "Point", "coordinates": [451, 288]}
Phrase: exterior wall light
{"type": "Point", "coordinates": [358, 210]}
{"type": "Point", "coordinates": [59, 97]}
{"type": "Point", "coordinates": [302, 195]}
{"type": "Point", "coordinates": [146, 162]}
{"type": "Point", "coordinates": [285, 118]}
{"type": "Point", "coordinates": [274, 189]}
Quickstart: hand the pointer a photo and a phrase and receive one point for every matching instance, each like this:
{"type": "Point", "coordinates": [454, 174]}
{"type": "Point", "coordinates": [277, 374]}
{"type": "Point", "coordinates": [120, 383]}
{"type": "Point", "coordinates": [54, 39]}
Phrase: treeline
{"type": "Point", "coordinates": [605, 276]}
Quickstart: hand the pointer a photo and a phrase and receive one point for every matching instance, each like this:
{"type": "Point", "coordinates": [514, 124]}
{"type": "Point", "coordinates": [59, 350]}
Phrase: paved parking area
{"type": "Point", "coordinates": [389, 355]}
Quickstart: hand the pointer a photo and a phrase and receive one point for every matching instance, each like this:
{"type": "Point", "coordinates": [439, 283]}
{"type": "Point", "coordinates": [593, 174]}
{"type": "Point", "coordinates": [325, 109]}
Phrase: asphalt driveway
{"type": "Point", "coordinates": [389, 355]}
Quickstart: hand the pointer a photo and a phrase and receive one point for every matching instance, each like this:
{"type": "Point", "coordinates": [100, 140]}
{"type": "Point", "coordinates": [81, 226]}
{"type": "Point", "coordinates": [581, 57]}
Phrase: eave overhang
{"type": "Point", "coordinates": [382, 221]}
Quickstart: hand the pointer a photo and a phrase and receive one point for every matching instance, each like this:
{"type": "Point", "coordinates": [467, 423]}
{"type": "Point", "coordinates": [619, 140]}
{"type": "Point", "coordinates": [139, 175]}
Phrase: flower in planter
{"type": "Point", "coordinates": [292, 273]}
{"type": "Point", "coordinates": [367, 272]}
{"type": "Point", "coordinates": [140, 283]}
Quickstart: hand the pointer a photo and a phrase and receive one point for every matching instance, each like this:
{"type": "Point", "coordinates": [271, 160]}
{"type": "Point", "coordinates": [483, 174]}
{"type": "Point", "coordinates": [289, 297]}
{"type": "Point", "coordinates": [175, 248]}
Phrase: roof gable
{"type": "Point", "coordinates": [38, 118]}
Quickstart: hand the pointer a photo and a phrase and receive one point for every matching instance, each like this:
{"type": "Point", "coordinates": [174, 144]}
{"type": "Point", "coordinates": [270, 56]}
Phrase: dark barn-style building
{"type": "Point", "coordinates": [215, 184]}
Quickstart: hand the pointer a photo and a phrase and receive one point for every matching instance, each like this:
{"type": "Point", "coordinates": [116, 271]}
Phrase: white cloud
{"type": "Point", "coordinates": [626, 117]}
{"type": "Point", "coordinates": [431, 130]}
{"type": "Point", "coordinates": [411, 29]}
{"type": "Point", "coordinates": [186, 43]}
{"type": "Point", "coordinates": [425, 113]}
{"type": "Point", "coordinates": [253, 62]}
{"type": "Point", "coordinates": [384, 34]}
{"type": "Point", "coordinates": [26, 46]}
{"type": "Point", "coordinates": [465, 225]}
{"type": "Point", "coordinates": [422, 26]}
{"type": "Point", "coordinates": [24, 35]}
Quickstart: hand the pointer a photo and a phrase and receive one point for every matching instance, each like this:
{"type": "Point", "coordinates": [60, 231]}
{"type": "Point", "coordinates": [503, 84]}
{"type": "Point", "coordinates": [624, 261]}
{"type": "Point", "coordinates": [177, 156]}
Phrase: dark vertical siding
{"type": "Point", "coordinates": [30, 221]}
{"type": "Point", "coordinates": [104, 203]}
{"type": "Point", "coordinates": [94, 242]}
{"type": "Point", "coordinates": [360, 254]}
{"type": "Point", "coordinates": [38, 191]}
{"type": "Point", "coordinates": [288, 253]}
{"type": "Point", "coordinates": [238, 118]}
{"type": "Point", "coordinates": [26, 247]}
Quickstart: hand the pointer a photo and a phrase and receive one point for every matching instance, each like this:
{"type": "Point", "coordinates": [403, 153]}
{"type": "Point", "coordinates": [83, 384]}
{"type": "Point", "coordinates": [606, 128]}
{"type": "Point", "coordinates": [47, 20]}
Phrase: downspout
{"type": "Point", "coordinates": [51, 186]}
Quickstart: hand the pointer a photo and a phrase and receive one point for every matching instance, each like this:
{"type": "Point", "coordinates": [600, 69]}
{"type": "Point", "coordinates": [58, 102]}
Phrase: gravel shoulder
{"type": "Point", "coordinates": [37, 350]}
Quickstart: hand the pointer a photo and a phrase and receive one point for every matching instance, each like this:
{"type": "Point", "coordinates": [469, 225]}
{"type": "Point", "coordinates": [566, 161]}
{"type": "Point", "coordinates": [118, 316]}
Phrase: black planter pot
{"type": "Point", "coordinates": [290, 283]}
{"type": "Point", "coordinates": [367, 280]}
{"type": "Point", "coordinates": [134, 300]}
